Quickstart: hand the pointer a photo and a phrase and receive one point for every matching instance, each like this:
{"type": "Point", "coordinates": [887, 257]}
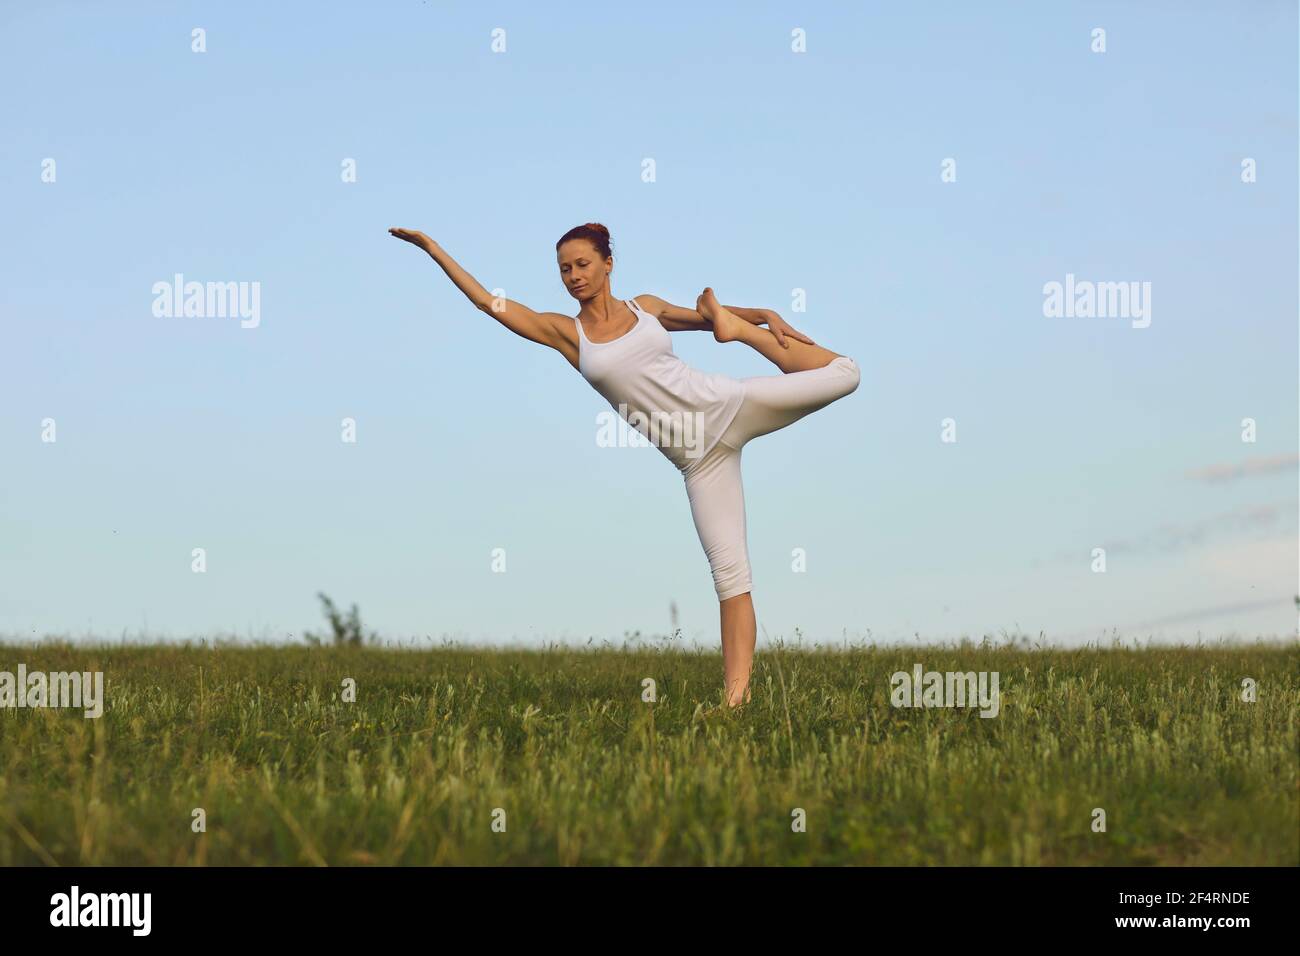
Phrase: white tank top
{"type": "Point", "coordinates": [678, 408]}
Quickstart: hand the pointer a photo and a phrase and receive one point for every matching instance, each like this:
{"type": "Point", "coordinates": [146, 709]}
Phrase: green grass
{"type": "Point", "coordinates": [587, 773]}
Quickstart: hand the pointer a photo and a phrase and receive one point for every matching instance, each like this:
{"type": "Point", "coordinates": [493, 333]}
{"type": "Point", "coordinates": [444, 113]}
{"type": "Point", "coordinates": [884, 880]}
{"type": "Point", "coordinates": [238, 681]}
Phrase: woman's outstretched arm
{"type": "Point", "coordinates": [517, 317]}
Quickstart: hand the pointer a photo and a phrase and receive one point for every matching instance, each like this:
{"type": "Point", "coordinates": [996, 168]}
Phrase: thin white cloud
{"type": "Point", "coordinates": [1280, 603]}
{"type": "Point", "coordinates": [1172, 537]}
{"type": "Point", "coordinates": [1265, 465]}
{"type": "Point", "coordinates": [1249, 521]}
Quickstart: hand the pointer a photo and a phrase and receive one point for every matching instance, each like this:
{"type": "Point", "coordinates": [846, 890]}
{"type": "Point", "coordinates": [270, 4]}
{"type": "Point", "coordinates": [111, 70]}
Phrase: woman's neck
{"type": "Point", "coordinates": [599, 310]}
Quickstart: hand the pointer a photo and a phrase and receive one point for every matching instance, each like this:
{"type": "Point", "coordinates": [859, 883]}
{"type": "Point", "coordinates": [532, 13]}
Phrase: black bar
{"type": "Point", "coordinates": [230, 905]}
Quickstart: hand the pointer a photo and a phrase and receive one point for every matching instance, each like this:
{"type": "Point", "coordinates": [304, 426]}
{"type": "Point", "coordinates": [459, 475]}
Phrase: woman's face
{"type": "Point", "coordinates": [582, 270]}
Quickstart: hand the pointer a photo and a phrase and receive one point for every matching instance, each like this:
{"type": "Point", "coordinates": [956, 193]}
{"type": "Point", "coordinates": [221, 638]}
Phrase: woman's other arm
{"type": "Point", "coordinates": [676, 318]}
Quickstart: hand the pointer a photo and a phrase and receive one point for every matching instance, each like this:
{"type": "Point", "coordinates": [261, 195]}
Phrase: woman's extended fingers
{"type": "Point", "coordinates": [795, 333]}
{"type": "Point", "coordinates": [780, 328]}
{"type": "Point", "coordinates": [410, 235]}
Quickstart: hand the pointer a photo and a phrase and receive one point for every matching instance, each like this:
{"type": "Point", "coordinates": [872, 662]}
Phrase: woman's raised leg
{"type": "Point", "coordinates": [729, 327]}
{"type": "Point", "coordinates": [775, 401]}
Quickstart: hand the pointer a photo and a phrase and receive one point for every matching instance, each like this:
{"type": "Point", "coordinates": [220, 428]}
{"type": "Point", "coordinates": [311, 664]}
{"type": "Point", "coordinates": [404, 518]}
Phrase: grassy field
{"type": "Point", "coordinates": [584, 772]}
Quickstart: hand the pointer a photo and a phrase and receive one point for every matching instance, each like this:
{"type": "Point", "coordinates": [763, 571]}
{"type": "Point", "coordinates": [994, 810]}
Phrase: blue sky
{"type": "Point", "coordinates": [774, 171]}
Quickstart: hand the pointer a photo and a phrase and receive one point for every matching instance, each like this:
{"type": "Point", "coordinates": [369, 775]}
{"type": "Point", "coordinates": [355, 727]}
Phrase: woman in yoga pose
{"type": "Point", "coordinates": [622, 348]}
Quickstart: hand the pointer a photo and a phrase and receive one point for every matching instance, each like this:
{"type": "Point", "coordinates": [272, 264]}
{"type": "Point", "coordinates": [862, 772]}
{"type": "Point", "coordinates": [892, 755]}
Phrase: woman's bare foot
{"type": "Point", "coordinates": [726, 325]}
{"type": "Point", "coordinates": [736, 700]}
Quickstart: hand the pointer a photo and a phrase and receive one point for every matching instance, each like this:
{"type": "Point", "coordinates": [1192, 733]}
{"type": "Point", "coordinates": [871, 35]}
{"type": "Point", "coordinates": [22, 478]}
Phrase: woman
{"type": "Point", "coordinates": [622, 348]}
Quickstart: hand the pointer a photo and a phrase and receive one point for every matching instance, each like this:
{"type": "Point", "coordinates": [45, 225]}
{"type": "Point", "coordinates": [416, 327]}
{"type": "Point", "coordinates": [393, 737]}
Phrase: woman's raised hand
{"type": "Point", "coordinates": [413, 236]}
{"type": "Point", "coordinates": [781, 329]}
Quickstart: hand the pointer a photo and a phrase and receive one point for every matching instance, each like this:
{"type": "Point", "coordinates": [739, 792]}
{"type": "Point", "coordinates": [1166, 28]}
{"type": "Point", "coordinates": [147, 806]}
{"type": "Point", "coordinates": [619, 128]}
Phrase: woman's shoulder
{"type": "Point", "coordinates": [651, 304]}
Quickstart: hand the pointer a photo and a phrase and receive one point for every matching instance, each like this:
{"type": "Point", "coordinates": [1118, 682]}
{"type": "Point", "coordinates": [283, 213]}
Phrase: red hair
{"type": "Point", "coordinates": [593, 232]}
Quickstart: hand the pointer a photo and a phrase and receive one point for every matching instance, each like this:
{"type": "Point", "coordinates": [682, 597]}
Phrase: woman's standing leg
{"type": "Point", "coordinates": [739, 629]}
{"type": "Point", "coordinates": [717, 497]}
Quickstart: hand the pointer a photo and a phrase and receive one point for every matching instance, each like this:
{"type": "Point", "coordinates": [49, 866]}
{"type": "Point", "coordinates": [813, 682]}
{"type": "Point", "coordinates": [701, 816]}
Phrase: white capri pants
{"type": "Point", "coordinates": [713, 482]}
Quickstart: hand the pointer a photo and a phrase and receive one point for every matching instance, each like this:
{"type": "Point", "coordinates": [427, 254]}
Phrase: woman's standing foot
{"type": "Point", "coordinates": [738, 699]}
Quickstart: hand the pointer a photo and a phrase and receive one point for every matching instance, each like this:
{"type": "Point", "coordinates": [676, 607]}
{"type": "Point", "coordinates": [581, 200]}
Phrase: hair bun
{"type": "Point", "coordinates": [594, 233]}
